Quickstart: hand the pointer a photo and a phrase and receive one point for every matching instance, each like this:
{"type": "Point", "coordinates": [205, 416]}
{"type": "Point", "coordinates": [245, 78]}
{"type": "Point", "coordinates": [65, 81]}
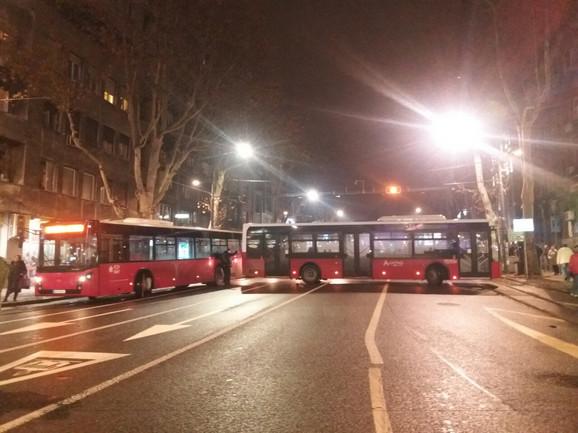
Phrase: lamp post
{"type": "Point", "coordinates": [460, 132]}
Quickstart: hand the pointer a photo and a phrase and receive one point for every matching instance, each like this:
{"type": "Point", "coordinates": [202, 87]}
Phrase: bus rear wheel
{"type": "Point", "coordinates": [143, 285]}
{"type": "Point", "coordinates": [310, 274]}
{"type": "Point", "coordinates": [435, 275]}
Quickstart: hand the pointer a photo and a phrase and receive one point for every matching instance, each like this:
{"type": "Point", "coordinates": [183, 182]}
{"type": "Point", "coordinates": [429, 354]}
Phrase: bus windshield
{"type": "Point", "coordinates": [75, 251]}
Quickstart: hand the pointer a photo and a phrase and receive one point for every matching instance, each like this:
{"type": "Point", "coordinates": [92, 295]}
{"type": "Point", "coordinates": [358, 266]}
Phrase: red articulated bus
{"type": "Point", "coordinates": [427, 248]}
{"type": "Point", "coordinates": [110, 258]}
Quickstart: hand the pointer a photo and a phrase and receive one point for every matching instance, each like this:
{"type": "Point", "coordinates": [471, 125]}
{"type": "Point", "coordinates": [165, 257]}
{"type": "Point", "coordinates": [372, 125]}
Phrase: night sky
{"type": "Point", "coordinates": [341, 58]}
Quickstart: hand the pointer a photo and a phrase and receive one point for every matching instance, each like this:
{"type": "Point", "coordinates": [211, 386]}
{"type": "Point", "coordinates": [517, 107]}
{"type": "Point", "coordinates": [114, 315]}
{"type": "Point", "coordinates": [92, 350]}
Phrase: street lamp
{"type": "Point", "coordinates": [196, 182]}
{"type": "Point", "coordinates": [418, 210]}
{"type": "Point", "coordinates": [457, 131]}
{"type": "Point", "coordinates": [339, 213]}
{"type": "Point", "coordinates": [312, 195]}
{"type": "Point", "coordinates": [244, 150]}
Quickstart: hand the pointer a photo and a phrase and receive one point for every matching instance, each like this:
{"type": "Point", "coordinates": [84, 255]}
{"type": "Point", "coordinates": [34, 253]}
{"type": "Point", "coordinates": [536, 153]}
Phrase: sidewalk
{"type": "Point", "coordinates": [27, 297]}
{"type": "Point", "coordinates": [548, 293]}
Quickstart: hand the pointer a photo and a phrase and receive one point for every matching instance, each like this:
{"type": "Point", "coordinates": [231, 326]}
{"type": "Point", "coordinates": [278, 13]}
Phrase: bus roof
{"type": "Point", "coordinates": [366, 223]}
{"type": "Point", "coordinates": [160, 224]}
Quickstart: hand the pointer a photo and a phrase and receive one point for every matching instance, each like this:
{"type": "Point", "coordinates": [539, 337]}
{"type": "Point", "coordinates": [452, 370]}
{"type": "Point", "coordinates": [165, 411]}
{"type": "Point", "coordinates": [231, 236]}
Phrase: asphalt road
{"type": "Point", "coordinates": [275, 356]}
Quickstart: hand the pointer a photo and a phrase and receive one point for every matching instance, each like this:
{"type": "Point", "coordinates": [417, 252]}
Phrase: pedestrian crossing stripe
{"type": "Point", "coordinates": [46, 362]}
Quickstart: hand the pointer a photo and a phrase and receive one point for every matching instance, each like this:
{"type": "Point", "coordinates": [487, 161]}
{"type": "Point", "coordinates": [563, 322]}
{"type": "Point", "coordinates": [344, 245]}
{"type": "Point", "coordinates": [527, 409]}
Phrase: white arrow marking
{"type": "Point", "coordinates": [46, 362]}
{"type": "Point", "coordinates": [160, 329]}
{"type": "Point", "coordinates": [45, 325]}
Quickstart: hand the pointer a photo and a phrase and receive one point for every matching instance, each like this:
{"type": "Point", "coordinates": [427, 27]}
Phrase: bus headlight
{"type": "Point", "coordinates": [37, 280]}
{"type": "Point", "coordinates": [82, 279]}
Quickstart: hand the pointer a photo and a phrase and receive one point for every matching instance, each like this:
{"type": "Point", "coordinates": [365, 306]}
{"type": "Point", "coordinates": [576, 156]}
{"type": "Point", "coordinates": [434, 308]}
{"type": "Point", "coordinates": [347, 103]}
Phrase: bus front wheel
{"type": "Point", "coordinates": [435, 275]}
{"type": "Point", "coordinates": [310, 274]}
{"type": "Point", "coordinates": [143, 285]}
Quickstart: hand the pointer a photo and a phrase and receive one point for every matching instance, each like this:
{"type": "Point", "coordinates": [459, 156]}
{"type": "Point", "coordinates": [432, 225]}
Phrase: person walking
{"type": "Point", "coordinates": [17, 278]}
{"type": "Point", "coordinates": [4, 270]}
{"type": "Point", "coordinates": [552, 266]}
{"type": "Point", "coordinates": [573, 271]}
{"type": "Point", "coordinates": [225, 263]}
{"type": "Point", "coordinates": [562, 260]}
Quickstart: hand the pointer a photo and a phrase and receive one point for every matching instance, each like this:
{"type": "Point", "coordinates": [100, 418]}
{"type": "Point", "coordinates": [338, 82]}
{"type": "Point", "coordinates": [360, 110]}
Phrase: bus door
{"type": "Point", "coordinates": [276, 254]}
{"type": "Point", "coordinates": [474, 257]}
{"type": "Point", "coordinates": [357, 255]}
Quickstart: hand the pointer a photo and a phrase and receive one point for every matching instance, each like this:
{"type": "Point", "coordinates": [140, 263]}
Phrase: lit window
{"type": "Point", "coordinates": [109, 91]}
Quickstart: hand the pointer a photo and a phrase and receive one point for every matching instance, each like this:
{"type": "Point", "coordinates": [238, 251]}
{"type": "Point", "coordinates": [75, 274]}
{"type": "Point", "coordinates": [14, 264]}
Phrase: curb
{"type": "Point", "coordinates": [571, 312]}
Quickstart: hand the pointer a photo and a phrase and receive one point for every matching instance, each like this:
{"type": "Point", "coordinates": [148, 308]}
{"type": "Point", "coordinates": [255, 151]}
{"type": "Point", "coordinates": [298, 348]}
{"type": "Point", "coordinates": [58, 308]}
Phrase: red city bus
{"type": "Point", "coordinates": [393, 248]}
{"type": "Point", "coordinates": [108, 258]}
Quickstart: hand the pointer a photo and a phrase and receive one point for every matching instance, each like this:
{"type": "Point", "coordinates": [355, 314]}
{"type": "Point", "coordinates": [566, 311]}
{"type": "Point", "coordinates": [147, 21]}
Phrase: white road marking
{"type": "Point", "coordinates": [160, 329]}
{"type": "Point", "coordinates": [553, 342]}
{"type": "Point", "coordinates": [24, 419]}
{"type": "Point", "coordinates": [460, 372]}
{"type": "Point", "coordinates": [520, 313]}
{"type": "Point", "coordinates": [99, 306]}
{"type": "Point", "coordinates": [110, 325]}
{"type": "Point", "coordinates": [381, 420]}
{"type": "Point", "coordinates": [570, 304]}
{"type": "Point", "coordinates": [45, 325]}
{"type": "Point", "coordinates": [252, 288]}
{"type": "Point", "coordinates": [46, 362]}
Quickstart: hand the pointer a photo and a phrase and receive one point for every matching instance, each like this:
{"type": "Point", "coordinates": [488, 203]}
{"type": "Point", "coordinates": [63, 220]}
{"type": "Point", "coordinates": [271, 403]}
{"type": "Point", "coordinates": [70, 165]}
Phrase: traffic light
{"type": "Point", "coordinates": [393, 189]}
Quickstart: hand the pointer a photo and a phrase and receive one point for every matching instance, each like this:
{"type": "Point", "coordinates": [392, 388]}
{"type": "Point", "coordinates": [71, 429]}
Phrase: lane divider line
{"type": "Point", "coordinates": [521, 313]}
{"type": "Point", "coordinates": [381, 420]}
{"type": "Point", "coordinates": [460, 372]}
{"type": "Point", "coordinates": [553, 342]}
{"type": "Point", "coordinates": [24, 419]}
{"type": "Point", "coordinates": [110, 325]}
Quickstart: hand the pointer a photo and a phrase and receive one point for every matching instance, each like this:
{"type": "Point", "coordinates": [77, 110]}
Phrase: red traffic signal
{"type": "Point", "coordinates": [393, 189]}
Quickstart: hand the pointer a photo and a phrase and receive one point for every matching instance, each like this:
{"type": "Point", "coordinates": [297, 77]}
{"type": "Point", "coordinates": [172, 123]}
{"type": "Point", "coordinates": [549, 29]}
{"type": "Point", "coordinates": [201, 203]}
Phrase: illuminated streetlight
{"type": "Point", "coordinates": [517, 152]}
{"type": "Point", "coordinates": [196, 182]}
{"type": "Point", "coordinates": [418, 210]}
{"type": "Point", "coordinates": [285, 213]}
{"type": "Point", "coordinates": [457, 131]}
{"type": "Point", "coordinates": [244, 150]}
{"type": "Point", "coordinates": [312, 195]}
{"type": "Point", "coordinates": [339, 213]}
{"type": "Point", "coordinates": [393, 189]}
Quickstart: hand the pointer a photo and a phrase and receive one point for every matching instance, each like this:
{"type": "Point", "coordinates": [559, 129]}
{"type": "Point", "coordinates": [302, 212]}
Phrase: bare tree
{"type": "Point", "coordinates": [525, 99]}
{"type": "Point", "coordinates": [173, 59]}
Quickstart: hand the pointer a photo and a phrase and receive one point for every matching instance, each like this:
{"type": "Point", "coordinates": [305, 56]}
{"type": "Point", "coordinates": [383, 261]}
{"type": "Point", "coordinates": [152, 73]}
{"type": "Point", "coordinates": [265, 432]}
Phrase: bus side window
{"type": "Point", "coordinates": [302, 243]}
{"type": "Point", "coordinates": [164, 248]}
{"type": "Point", "coordinates": [185, 248]}
{"type": "Point", "coordinates": [218, 245]}
{"type": "Point", "coordinates": [140, 248]}
{"type": "Point", "coordinates": [254, 245]}
{"type": "Point", "coordinates": [113, 249]}
{"type": "Point", "coordinates": [202, 248]}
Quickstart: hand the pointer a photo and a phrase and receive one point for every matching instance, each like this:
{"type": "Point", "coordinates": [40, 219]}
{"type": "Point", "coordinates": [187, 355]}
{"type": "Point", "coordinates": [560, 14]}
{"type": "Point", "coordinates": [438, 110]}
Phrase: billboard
{"type": "Point", "coordinates": [524, 225]}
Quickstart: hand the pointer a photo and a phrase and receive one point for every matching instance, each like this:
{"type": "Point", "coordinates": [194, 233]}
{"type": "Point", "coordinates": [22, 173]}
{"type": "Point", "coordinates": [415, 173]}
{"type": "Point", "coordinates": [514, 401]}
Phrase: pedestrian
{"type": "Point", "coordinates": [552, 251]}
{"type": "Point", "coordinates": [4, 270]}
{"type": "Point", "coordinates": [562, 260]}
{"type": "Point", "coordinates": [225, 263]}
{"type": "Point", "coordinates": [573, 272]}
{"type": "Point", "coordinates": [17, 278]}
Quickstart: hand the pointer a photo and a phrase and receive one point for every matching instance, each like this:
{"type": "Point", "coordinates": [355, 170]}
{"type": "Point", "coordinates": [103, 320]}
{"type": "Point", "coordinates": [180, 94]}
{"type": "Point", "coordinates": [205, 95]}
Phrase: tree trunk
{"type": "Point", "coordinates": [532, 265]}
{"type": "Point", "coordinates": [488, 208]}
{"type": "Point", "coordinates": [217, 187]}
{"type": "Point", "coordinates": [146, 208]}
